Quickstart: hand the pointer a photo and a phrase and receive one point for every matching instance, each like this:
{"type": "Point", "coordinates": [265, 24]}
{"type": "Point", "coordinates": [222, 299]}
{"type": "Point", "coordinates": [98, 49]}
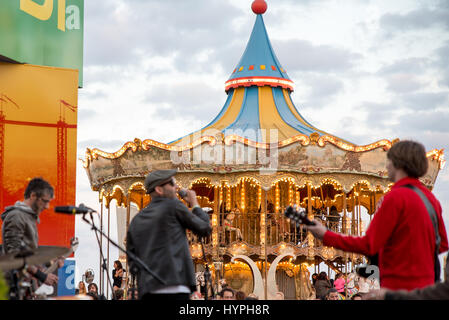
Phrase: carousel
{"type": "Point", "coordinates": [258, 156]}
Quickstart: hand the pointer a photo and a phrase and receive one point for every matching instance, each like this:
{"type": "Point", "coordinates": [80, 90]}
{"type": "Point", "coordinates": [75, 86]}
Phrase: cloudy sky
{"type": "Point", "coordinates": [364, 70]}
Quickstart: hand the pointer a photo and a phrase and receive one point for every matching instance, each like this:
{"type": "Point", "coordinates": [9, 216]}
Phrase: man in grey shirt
{"type": "Point", "coordinates": [19, 229]}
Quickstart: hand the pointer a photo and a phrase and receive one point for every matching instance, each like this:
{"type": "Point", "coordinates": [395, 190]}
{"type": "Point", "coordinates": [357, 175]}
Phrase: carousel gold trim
{"type": "Point", "coordinates": [314, 138]}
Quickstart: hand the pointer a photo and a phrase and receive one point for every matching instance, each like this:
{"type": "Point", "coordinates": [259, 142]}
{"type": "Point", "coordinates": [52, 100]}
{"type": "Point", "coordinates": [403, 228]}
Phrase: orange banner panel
{"type": "Point", "coordinates": [38, 117]}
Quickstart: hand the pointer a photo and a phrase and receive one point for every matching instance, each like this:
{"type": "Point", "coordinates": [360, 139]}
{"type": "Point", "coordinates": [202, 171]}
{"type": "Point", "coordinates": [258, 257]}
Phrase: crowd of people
{"type": "Point", "coordinates": [342, 287]}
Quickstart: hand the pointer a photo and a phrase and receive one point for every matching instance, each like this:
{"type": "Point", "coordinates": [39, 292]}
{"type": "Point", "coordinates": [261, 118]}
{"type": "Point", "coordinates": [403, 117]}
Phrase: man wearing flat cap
{"type": "Point", "coordinates": [157, 235]}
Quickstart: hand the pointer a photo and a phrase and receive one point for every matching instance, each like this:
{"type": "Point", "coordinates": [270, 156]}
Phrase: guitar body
{"type": "Point", "coordinates": [42, 290]}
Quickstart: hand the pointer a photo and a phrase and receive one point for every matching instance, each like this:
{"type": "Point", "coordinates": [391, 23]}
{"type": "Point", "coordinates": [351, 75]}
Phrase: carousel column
{"type": "Point", "coordinates": [128, 218]}
{"type": "Point", "coordinates": [107, 245]}
{"type": "Point", "coordinates": [101, 242]}
{"type": "Point", "coordinates": [310, 238]}
{"type": "Point", "coordinates": [360, 215]}
{"type": "Point", "coordinates": [215, 224]}
{"type": "Point", "coordinates": [221, 212]}
{"type": "Point", "coordinates": [263, 233]}
{"type": "Point", "coordinates": [345, 231]}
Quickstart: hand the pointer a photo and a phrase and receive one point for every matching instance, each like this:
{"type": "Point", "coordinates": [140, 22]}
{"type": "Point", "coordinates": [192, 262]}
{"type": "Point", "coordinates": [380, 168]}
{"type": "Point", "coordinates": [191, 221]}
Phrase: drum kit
{"type": "Point", "coordinates": [22, 285]}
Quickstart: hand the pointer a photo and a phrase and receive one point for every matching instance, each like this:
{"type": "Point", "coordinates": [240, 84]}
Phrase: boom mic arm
{"type": "Point", "coordinates": [81, 209]}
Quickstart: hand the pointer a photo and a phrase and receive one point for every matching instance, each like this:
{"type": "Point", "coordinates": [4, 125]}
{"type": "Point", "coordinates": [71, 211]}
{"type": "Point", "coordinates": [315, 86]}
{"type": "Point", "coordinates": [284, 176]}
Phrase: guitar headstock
{"type": "Point", "coordinates": [298, 216]}
{"type": "Point", "coordinates": [74, 243]}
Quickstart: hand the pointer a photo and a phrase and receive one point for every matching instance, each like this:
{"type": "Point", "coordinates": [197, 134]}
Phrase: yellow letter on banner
{"type": "Point", "coordinates": [41, 12]}
{"type": "Point", "coordinates": [61, 15]}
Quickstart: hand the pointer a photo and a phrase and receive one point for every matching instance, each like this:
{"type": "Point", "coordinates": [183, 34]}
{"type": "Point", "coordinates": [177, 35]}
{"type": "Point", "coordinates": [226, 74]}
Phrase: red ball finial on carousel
{"type": "Point", "coordinates": [259, 6]}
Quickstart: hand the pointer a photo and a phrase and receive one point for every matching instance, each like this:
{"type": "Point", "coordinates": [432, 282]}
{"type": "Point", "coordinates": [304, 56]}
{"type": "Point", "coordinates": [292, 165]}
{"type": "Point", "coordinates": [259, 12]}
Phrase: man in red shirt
{"type": "Point", "coordinates": [401, 231]}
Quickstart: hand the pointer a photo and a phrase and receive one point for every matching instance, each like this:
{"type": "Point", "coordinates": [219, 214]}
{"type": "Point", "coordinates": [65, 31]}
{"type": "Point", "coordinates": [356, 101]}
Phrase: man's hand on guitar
{"type": "Point", "coordinates": [60, 262]}
{"type": "Point", "coordinates": [317, 229]}
{"type": "Point", "coordinates": [51, 279]}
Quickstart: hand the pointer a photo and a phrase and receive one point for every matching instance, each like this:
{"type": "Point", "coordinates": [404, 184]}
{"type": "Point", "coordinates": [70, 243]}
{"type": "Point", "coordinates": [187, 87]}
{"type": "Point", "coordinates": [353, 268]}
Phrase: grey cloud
{"type": "Point", "coordinates": [301, 55]}
{"type": "Point", "coordinates": [443, 64]}
{"type": "Point", "coordinates": [194, 100]}
{"type": "Point", "coordinates": [379, 115]}
{"type": "Point", "coordinates": [426, 100]}
{"type": "Point", "coordinates": [85, 114]}
{"type": "Point", "coordinates": [416, 19]}
{"type": "Point", "coordinates": [435, 121]}
{"type": "Point", "coordinates": [322, 88]}
{"type": "Point", "coordinates": [408, 65]}
{"type": "Point", "coordinates": [157, 29]}
{"type": "Point", "coordinates": [402, 83]}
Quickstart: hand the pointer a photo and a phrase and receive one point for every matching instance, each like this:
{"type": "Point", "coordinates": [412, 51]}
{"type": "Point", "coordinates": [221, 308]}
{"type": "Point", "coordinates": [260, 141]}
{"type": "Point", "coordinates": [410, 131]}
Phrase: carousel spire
{"type": "Point", "coordinates": [258, 94]}
{"type": "Point", "coordinates": [259, 65]}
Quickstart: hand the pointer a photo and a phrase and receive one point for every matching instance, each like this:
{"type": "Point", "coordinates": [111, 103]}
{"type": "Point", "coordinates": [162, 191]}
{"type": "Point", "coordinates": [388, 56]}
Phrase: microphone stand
{"type": "Point", "coordinates": [103, 264]}
{"type": "Point", "coordinates": [139, 263]}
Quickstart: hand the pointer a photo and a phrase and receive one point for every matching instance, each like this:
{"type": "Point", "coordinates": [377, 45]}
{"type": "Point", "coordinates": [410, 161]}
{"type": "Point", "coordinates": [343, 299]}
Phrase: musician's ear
{"type": "Point", "coordinates": [33, 195]}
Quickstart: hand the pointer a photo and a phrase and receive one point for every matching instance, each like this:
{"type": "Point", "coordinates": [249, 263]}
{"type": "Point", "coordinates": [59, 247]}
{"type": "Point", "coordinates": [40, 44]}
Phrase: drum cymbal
{"type": "Point", "coordinates": [41, 255]}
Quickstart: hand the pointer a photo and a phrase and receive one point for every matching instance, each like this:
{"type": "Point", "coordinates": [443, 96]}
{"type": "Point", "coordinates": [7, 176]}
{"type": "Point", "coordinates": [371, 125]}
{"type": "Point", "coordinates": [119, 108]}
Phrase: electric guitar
{"type": "Point", "coordinates": [298, 216]}
{"type": "Point", "coordinates": [44, 289]}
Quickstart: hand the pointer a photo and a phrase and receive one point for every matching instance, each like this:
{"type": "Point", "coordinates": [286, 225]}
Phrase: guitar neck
{"type": "Point", "coordinates": [54, 265]}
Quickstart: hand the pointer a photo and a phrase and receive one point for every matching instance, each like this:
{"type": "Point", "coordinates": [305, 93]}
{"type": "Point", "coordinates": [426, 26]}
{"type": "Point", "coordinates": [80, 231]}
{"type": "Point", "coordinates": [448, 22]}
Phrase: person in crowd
{"type": "Point", "coordinates": [118, 294]}
{"type": "Point", "coordinates": [228, 224]}
{"type": "Point", "coordinates": [357, 296]}
{"type": "Point", "coordinates": [92, 288]}
{"type": "Point", "coordinates": [93, 295]}
{"type": "Point", "coordinates": [339, 283]}
{"type": "Point", "coordinates": [332, 294]}
{"type": "Point", "coordinates": [314, 278]}
{"type": "Point", "coordinates": [157, 236]}
{"type": "Point", "coordinates": [132, 294]}
{"type": "Point", "coordinates": [322, 285]}
{"type": "Point", "coordinates": [196, 296]}
{"type": "Point", "coordinates": [333, 218]}
{"type": "Point", "coordinates": [117, 275]}
{"type": "Point", "coordinates": [401, 232]}
{"type": "Point", "coordinates": [20, 232]}
{"type": "Point", "coordinates": [240, 295]}
{"type": "Point", "coordinates": [81, 288]}
{"type": "Point", "coordinates": [226, 294]}
{"type": "Point", "coordinates": [252, 296]}
{"type": "Point", "coordinates": [279, 296]}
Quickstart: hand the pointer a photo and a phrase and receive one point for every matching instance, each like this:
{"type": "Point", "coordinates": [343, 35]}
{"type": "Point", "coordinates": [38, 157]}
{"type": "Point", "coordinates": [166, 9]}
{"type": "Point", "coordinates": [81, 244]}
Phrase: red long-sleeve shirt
{"type": "Point", "coordinates": [402, 233]}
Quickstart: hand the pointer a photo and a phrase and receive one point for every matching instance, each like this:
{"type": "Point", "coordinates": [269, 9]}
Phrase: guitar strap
{"type": "Point", "coordinates": [434, 219]}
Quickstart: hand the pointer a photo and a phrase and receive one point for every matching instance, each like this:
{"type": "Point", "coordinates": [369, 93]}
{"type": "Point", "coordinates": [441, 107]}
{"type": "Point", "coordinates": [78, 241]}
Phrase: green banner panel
{"type": "Point", "coordinates": [43, 32]}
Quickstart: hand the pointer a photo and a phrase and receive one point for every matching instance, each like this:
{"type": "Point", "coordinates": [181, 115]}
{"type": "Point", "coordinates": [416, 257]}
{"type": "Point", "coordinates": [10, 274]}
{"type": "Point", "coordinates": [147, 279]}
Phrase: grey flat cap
{"type": "Point", "coordinates": [157, 178]}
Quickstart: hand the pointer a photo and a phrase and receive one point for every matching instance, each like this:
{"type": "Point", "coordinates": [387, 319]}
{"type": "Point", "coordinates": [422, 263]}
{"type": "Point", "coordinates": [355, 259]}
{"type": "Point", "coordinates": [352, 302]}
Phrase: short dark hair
{"type": "Point", "coordinates": [39, 186]}
{"type": "Point", "coordinates": [118, 294]}
{"type": "Point", "coordinates": [221, 294]}
{"type": "Point", "coordinates": [92, 284]}
{"type": "Point", "coordinates": [331, 290]}
{"type": "Point", "coordinates": [322, 276]}
{"type": "Point", "coordinates": [409, 156]}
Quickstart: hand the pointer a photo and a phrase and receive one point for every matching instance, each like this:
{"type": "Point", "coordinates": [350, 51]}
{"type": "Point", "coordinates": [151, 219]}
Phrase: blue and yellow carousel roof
{"type": "Point", "coordinates": [259, 64]}
{"type": "Point", "coordinates": [258, 96]}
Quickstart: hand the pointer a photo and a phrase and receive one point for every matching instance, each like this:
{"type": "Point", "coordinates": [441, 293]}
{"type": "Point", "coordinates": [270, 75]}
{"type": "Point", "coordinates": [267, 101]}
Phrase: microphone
{"type": "Point", "coordinates": [74, 210]}
{"type": "Point", "coordinates": [182, 193]}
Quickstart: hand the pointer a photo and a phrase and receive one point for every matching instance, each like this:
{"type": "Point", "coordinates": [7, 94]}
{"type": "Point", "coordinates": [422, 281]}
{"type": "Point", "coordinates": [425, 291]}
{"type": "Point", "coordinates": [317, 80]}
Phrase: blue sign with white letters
{"type": "Point", "coordinates": [66, 282]}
